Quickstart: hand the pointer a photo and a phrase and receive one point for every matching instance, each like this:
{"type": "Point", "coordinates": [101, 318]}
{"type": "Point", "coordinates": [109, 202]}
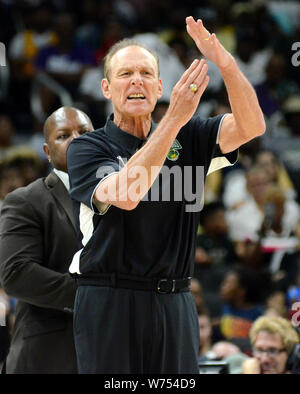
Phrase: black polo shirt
{"type": "Point", "coordinates": [157, 238]}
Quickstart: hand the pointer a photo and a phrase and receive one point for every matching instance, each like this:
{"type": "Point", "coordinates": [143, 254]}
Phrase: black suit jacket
{"type": "Point", "coordinates": [37, 243]}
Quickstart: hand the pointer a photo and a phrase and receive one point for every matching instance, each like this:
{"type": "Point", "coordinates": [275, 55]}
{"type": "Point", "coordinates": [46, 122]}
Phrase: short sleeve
{"type": "Point", "coordinates": [221, 160]}
{"type": "Point", "coordinates": [89, 162]}
{"type": "Point", "coordinates": [202, 137]}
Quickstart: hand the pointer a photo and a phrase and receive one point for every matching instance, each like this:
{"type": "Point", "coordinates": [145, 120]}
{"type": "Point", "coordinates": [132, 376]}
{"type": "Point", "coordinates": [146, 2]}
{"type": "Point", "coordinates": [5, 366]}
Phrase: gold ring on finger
{"type": "Point", "coordinates": [193, 87]}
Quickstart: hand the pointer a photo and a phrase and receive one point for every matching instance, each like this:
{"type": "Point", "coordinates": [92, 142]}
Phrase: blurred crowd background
{"type": "Point", "coordinates": [248, 247]}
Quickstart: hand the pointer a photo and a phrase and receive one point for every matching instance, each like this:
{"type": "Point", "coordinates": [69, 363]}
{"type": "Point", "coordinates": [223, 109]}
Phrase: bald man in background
{"type": "Point", "coordinates": [37, 243]}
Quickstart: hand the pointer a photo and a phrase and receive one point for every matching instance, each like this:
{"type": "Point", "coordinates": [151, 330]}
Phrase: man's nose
{"type": "Point", "coordinates": [264, 358]}
{"type": "Point", "coordinates": [136, 78]}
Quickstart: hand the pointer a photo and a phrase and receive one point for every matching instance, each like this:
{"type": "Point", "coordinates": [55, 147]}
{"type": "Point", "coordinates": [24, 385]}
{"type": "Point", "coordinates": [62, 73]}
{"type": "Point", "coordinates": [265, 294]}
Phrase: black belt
{"type": "Point", "coordinates": [161, 286]}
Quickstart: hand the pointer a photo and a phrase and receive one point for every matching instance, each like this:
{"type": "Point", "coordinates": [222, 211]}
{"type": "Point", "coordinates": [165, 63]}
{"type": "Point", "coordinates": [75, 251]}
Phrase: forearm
{"type": "Point", "coordinates": [246, 120]}
{"type": "Point", "coordinates": [128, 187]}
{"type": "Point", "coordinates": [244, 104]}
{"type": "Point", "coordinates": [148, 161]}
{"type": "Point", "coordinates": [40, 286]}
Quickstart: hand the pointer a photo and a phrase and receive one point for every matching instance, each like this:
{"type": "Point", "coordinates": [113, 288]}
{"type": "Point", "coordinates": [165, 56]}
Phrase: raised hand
{"type": "Point", "coordinates": [187, 92]}
{"type": "Point", "coordinates": [207, 43]}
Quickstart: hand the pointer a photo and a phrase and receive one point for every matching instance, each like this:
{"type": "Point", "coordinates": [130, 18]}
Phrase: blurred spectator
{"type": "Point", "coordinates": [227, 352]}
{"type": "Point", "coordinates": [235, 177]}
{"type": "Point", "coordinates": [88, 33]}
{"type": "Point", "coordinates": [291, 109]}
{"type": "Point", "coordinates": [22, 53]}
{"type": "Point", "coordinates": [214, 253]}
{"type": "Point", "coordinates": [246, 220]}
{"type": "Point", "coordinates": [242, 291]}
{"type": "Point", "coordinates": [64, 61]}
{"type": "Point", "coordinates": [271, 245]}
{"type": "Point", "coordinates": [213, 244]}
{"type": "Point", "coordinates": [225, 29]}
{"type": "Point", "coordinates": [275, 304]}
{"type": "Point", "coordinates": [273, 340]}
{"type": "Point", "coordinates": [256, 183]}
{"type": "Point", "coordinates": [276, 171]}
{"type": "Point", "coordinates": [249, 59]}
{"type": "Point", "coordinates": [10, 179]}
{"type": "Point", "coordinates": [197, 293]}
{"type": "Point", "coordinates": [90, 96]}
{"type": "Point", "coordinates": [205, 327]}
{"type": "Point", "coordinates": [112, 32]}
{"type": "Point", "coordinates": [287, 145]}
{"type": "Point", "coordinates": [252, 54]}
{"type": "Point", "coordinates": [223, 349]}
{"type": "Point", "coordinates": [25, 46]}
{"type": "Point", "coordinates": [175, 35]}
{"type": "Point", "coordinates": [19, 167]}
{"type": "Point", "coordinates": [235, 189]}
{"type": "Point", "coordinates": [7, 132]}
{"type": "Point", "coordinates": [180, 46]}
{"type": "Point", "coordinates": [27, 161]}
{"type": "Point", "coordinates": [276, 87]}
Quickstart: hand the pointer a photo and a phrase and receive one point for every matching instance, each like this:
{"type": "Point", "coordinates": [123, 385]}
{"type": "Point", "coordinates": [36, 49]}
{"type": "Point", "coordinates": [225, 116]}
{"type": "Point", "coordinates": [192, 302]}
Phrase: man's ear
{"type": "Point", "coordinates": [160, 89]}
{"type": "Point", "coordinates": [47, 151]}
{"type": "Point", "coordinates": [106, 88]}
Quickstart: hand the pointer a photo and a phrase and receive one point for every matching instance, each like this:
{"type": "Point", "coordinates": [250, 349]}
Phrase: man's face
{"type": "Point", "coordinates": [134, 86]}
{"type": "Point", "coordinates": [230, 287]}
{"type": "Point", "coordinates": [65, 125]}
{"type": "Point", "coordinates": [270, 352]}
{"type": "Point", "coordinates": [268, 161]}
{"type": "Point", "coordinates": [257, 183]}
{"type": "Point", "coordinates": [216, 224]}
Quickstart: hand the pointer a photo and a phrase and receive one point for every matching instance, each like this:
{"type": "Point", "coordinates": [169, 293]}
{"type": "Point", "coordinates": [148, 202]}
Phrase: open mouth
{"type": "Point", "coordinates": [136, 96]}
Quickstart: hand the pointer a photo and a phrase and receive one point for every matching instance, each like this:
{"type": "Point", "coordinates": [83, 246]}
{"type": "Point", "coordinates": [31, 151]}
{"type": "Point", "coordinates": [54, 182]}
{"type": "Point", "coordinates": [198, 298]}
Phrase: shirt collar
{"type": "Point", "coordinates": [121, 137]}
{"type": "Point", "coordinates": [64, 177]}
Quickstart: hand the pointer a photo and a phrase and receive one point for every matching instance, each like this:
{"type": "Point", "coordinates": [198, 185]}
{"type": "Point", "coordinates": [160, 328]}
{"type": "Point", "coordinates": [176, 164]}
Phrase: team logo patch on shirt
{"type": "Point", "coordinates": [173, 152]}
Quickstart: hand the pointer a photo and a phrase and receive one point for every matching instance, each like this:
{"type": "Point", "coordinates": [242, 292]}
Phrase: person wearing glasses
{"type": "Point", "coordinates": [273, 339]}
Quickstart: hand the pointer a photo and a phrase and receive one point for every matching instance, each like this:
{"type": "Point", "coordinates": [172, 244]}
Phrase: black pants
{"type": "Point", "coordinates": [131, 331]}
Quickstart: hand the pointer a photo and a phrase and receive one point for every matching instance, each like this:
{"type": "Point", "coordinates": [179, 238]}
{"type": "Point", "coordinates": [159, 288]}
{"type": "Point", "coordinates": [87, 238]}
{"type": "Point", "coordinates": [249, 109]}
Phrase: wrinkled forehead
{"type": "Point", "coordinates": [132, 57]}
